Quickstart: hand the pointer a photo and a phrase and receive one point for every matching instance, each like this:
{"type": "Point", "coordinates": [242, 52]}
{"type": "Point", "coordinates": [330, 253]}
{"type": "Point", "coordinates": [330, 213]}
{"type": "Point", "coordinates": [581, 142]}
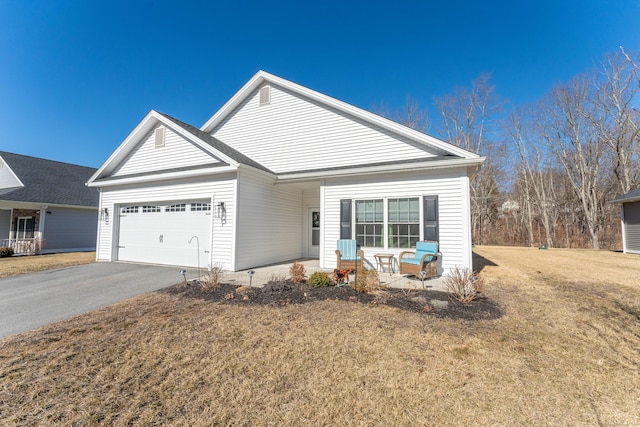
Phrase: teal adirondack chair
{"type": "Point", "coordinates": [425, 258]}
{"type": "Point", "coordinates": [349, 257]}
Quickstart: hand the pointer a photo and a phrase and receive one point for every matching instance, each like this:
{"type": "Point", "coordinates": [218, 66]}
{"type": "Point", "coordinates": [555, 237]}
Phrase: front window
{"type": "Point", "coordinates": [397, 226]}
{"type": "Point", "coordinates": [404, 222]}
{"type": "Point", "coordinates": [370, 223]}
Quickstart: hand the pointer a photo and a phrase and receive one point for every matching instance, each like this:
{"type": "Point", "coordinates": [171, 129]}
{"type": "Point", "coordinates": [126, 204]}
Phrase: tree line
{"type": "Point", "coordinates": [552, 166]}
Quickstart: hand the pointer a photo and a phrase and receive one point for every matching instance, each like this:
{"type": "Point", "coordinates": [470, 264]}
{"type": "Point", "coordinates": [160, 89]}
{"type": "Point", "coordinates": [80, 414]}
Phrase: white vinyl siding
{"type": "Point", "coordinates": [220, 188]}
{"type": "Point", "coordinates": [293, 133]}
{"type": "Point", "coordinates": [453, 210]}
{"type": "Point", "coordinates": [631, 227]}
{"type": "Point", "coordinates": [176, 152]}
{"type": "Point", "coordinates": [270, 221]}
{"type": "Point", "coordinates": [67, 228]}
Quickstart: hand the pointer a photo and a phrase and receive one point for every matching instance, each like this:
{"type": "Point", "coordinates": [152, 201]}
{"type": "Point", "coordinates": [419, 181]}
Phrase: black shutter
{"type": "Point", "coordinates": [430, 217]}
{"type": "Point", "coordinates": [345, 219]}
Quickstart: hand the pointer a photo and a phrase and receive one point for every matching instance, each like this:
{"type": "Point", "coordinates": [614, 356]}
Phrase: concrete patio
{"type": "Point", "coordinates": [265, 273]}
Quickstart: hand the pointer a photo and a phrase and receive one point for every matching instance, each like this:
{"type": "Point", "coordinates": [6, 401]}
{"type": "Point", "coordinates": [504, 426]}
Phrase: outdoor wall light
{"type": "Point", "coordinates": [220, 210]}
{"type": "Point", "coordinates": [104, 214]}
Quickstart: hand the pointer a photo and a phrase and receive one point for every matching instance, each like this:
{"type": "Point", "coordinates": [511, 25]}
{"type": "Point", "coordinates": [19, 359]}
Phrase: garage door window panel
{"type": "Point", "coordinates": [200, 207]}
{"type": "Point", "coordinates": [181, 207]}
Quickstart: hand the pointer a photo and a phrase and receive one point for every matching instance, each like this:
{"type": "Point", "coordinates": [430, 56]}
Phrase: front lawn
{"type": "Point", "coordinates": [12, 266]}
{"type": "Point", "coordinates": [564, 351]}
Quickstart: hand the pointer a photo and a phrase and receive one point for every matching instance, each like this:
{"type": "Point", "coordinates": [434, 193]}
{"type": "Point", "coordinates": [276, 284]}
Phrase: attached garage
{"type": "Point", "coordinates": [264, 163]}
{"type": "Point", "coordinates": [175, 233]}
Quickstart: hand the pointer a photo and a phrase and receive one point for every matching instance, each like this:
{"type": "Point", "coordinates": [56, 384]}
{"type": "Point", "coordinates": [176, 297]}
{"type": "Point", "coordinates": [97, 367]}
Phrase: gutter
{"type": "Point", "coordinates": [161, 177]}
{"type": "Point", "coordinates": [371, 170]}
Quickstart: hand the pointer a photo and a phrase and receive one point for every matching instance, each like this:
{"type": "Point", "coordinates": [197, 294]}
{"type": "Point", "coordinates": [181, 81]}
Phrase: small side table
{"type": "Point", "coordinates": [383, 260]}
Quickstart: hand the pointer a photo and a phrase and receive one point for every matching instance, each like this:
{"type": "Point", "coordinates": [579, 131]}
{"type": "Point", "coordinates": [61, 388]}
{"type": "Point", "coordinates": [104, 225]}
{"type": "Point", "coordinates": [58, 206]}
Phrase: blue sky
{"type": "Point", "coordinates": [77, 76]}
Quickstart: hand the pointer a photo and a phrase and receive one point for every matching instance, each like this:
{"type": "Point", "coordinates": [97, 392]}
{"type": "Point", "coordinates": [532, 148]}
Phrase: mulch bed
{"type": "Point", "coordinates": [280, 294]}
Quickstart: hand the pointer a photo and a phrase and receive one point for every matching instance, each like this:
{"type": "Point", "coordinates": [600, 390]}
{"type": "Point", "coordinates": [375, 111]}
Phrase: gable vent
{"type": "Point", "coordinates": [265, 95]}
{"type": "Point", "coordinates": [159, 136]}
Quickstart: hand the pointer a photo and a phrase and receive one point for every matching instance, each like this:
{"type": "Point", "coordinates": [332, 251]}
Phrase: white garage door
{"type": "Point", "coordinates": [175, 234]}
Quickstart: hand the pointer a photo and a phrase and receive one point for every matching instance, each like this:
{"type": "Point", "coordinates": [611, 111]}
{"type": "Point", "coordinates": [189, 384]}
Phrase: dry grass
{"type": "Point", "coordinates": [13, 266]}
{"type": "Point", "coordinates": [567, 352]}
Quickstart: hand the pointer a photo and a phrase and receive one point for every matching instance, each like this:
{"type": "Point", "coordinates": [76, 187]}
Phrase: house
{"type": "Point", "coordinates": [45, 205]}
{"type": "Point", "coordinates": [630, 217]}
{"type": "Point", "coordinates": [281, 172]}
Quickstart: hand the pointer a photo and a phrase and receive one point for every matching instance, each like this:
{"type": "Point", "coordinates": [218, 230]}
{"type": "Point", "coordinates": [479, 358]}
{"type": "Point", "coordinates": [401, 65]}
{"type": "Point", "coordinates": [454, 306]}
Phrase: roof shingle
{"type": "Point", "coordinates": [50, 182]}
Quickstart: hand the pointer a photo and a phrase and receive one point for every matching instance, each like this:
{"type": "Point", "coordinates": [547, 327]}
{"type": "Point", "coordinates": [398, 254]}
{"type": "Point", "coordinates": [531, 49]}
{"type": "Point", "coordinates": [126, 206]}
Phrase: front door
{"type": "Point", "coordinates": [313, 238]}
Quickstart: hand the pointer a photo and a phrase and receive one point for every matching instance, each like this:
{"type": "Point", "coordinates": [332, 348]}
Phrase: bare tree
{"type": "Point", "coordinates": [468, 122]}
{"type": "Point", "coordinates": [565, 122]}
{"type": "Point", "coordinates": [533, 183]}
{"type": "Point", "coordinates": [618, 123]}
{"type": "Point", "coordinates": [410, 115]}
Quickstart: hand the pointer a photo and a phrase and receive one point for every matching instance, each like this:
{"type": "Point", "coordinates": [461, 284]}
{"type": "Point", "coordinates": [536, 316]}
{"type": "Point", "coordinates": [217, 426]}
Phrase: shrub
{"type": "Point", "coordinates": [320, 279]}
{"type": "Point", "coordinates": [213, 277]}
{"type": "Point", "coordinates": [366, 281]}
{"type": "Point", "coordinates": [463, 284]}
{"type": "Point", "coordinates": [297, 273]}
{"type": "Point", "coordinates": [5, 251]}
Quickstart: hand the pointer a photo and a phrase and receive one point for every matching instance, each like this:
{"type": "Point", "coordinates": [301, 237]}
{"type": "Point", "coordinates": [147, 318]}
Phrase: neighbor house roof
{"type": "Point", "coordinates": [49, 182]}
{"type": "Point", "coordinates": [631, 196]}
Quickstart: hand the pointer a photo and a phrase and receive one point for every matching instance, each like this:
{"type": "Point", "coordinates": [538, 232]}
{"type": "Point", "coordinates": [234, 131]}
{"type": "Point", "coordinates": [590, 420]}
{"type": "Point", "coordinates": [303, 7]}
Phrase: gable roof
{"type": "Point", "coordinates": [262, 77]}
{"type": "Point", "coordinates": [447, 155]}
{"type": "Point", "coordinates": [49, 182]}
{"type": "Point", "coordinates": [229, 157]}
{"type": "Point", "coordinates": [217, 144]}
{"type": "Point", "coordinates": [631, 196]}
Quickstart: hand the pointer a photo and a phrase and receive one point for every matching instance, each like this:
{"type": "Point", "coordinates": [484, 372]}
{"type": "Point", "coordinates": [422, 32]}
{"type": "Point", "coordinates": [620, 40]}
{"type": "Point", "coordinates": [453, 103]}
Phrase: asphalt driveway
{"type": "Point", "coordinates": [33, 300]}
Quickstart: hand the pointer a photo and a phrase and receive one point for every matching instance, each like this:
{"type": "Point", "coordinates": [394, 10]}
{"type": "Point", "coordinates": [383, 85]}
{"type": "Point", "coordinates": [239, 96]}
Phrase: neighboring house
{"type": "Point", "coordinates": [630, 216]}
{"type": "Point", "coordinates": [281, 172]}
{"type": "Point", "coordinates": [45, 206]}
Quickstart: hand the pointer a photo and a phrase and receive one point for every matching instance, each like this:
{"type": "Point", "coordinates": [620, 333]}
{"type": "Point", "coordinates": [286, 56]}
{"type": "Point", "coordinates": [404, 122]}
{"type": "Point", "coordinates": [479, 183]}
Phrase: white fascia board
{"type": "Point", "coordinates": [123, 149]}
{"type": "Point", "coordinates": [148, 122]}
{"type": "Point", "coordinates": [18, 182]}
{"type": "Point", "coordinates": [162, 177]}
{"type": "Point", "coordinates": [369, 170]}
{"type": "Point", "coordinates": [256, 172]}
{"type": "Point", "coordinates": [234, 101]}
{"type": "Point", "coordinates": [262, 76]}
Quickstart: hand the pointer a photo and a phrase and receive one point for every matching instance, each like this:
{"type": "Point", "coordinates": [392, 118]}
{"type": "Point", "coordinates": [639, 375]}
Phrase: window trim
{"type": "Point", "coordinates": [386, 223]}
